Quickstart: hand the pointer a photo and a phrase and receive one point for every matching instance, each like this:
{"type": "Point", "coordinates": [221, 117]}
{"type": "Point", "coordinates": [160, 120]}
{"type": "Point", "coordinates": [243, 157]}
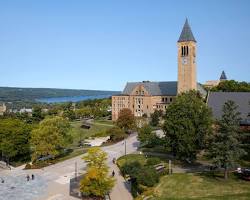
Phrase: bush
{"type": "Point", "coordinates": [148, 176]}
{"type": "Point", "coordinates": [27, 166]}
{"type": "Point", "coordinates": [116, 134]}
{"type": "Point", "coordinates": [153, 161]}
{"type": "Point", "coordinates": [131, 168]}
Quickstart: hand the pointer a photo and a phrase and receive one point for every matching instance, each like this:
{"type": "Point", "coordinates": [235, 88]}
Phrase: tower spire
{"type": "Point", "coordinates": [223, 76]}
{"type": "Point", "coordinates": [186, 33]}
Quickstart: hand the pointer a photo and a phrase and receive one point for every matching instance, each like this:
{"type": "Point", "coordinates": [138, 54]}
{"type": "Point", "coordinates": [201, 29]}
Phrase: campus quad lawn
{"type": "Point", "coordinates": [77, 132]}
{"type": "Point", "coordinates": [201, 186]}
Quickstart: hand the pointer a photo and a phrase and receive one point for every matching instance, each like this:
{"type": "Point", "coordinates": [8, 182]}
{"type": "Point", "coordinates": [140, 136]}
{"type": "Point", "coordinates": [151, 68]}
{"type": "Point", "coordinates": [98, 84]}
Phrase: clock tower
{"type": "Point", "coordinates": [186, 60]}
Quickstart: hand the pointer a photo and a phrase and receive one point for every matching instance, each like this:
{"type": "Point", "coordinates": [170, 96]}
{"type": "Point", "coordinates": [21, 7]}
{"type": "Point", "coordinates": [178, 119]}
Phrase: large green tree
{"type": "Point", "coordinates": [155, 117]}
{"type": "Point", "coordinates": [96, 182]}
{"type": "Point", "coordinates": [225, 148]}
{"type": "Point", "coordinates": [232, 86]}
{"type": "Point", "coordinates": [148, 137]}
{"type": "Point", "coordinates": [14, 139]}
{"type": "Point", "coordinates": [188, 122]}
{"type": "Point", "coordinates": [50, 136]}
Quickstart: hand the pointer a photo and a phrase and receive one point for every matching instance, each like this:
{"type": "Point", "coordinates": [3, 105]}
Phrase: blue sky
{"type": "Point", "coordinates": [103, 44]}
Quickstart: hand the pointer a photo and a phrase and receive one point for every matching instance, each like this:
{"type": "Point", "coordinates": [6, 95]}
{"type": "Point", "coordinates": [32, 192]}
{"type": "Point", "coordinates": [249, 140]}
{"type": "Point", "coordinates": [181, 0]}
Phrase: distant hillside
{"type": "Point", "coordinates": [13, 94]}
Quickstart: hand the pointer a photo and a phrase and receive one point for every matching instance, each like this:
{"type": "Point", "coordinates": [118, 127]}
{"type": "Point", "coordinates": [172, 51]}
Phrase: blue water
{"type": "Point", "coordinates": [72, 99]}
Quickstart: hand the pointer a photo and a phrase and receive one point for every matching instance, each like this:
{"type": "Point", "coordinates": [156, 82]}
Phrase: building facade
{"type": "Point", "coordinates": [143, 98]}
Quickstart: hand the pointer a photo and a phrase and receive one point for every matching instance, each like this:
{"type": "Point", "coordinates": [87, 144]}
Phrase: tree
{"type": "Point", "coordinates": [232, 86]}
{"type": "Point", "coordinates": [37, 113]}
{"type": "Point", "coordinates": [96, 181]}
{"type": "Point", "coordinates": [148, 138]}
{"type": "Point", "coordinates": [126, 119]}
{"type": "Point", "coordinates": [14, 139]}
{"type": "Point", "coordinates": [116, 134]}
{"type": "Point", "coordinates": [187, 124]}
{"type": "Point", "coordinates": [155, 117]}
{"type": "Point", "coordinates": [225, 148]}
{"type": "Point", "coordinates": [50, 136]}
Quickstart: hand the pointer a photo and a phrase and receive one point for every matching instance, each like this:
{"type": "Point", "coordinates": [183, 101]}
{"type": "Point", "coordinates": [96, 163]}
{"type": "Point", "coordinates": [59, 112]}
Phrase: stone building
{"type": "Point", "coordinates": [213, 83]}
{"type": "Point", "coordinates": [143, 98]}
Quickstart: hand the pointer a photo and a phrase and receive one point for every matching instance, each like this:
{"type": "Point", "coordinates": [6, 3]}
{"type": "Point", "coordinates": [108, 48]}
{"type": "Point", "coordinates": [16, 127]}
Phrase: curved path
{"type": "Point", "coordinates": [52, 182]}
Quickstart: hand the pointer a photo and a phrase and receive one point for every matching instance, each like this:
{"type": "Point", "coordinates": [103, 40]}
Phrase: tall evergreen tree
{"type": "Point", "coordinates": [225, 148]}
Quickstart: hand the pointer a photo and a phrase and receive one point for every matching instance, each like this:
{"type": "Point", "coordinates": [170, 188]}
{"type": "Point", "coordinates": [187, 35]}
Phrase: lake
{"type": "Point", "coordinates": [72, 99]}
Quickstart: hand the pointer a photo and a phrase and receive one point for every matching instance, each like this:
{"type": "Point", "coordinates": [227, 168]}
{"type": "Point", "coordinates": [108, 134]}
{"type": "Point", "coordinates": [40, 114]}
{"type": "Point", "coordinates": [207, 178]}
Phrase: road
{"type": "Point", "coordinates": [52, 182]}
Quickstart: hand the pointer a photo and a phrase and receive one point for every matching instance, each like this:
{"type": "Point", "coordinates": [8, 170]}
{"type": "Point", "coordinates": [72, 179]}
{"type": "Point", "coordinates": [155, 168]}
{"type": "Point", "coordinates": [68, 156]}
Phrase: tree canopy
{"type": "Point", "coordinates": [225, 147]}
{"type": "Point", "coordinates": [96, 181]}
{"type": "Point", "coordinates": [188, 122]}
{"type": "Point", "coordinates": [50, 136]}
{"type": "Point", "coordinates": [14, 139]}
{"type": "Point", "coordinates": [126, 119]}
{"type": "Point", "coordinates": [232, 86]}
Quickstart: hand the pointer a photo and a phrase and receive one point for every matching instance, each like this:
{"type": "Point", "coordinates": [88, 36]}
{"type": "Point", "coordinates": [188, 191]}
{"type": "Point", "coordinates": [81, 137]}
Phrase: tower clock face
{"type": "Point", "coordinates": [184, 61]}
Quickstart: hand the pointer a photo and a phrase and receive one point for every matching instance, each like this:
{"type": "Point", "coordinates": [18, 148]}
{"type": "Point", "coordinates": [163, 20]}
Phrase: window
{"type": "Point", "coordinates": [136, 92]}
{"type": "Point", "coordinates": [162, 99]}
{"type": "Point", "coordinates": [170, 99]}
{"type": "Point", "coordinates": [147, 106]}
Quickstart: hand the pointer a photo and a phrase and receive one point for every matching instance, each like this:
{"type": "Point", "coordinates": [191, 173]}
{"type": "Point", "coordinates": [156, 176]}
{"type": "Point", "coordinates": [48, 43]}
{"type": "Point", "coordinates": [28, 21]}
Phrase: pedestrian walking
{"type": "Point", "coordinates": [113, 173]}
{"type": "Point", "coordinates": [32, 176]}
{"type": "Point", "coordinates": [28, 177]}
{"type": "Point", "coordinates": [2, 180]}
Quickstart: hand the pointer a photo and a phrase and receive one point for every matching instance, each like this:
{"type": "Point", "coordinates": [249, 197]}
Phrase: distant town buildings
{"type": "Point", "coordinates": [2, 108]}
{"type": "Point", "coordinates": [143, 98]}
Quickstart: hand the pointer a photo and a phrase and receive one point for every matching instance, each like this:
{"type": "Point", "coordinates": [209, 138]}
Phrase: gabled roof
{"type": "Point", "coordinates": [216, 100]}
{"type": "Point", "coordinates": [167, 88]}
{"type": "Point", "coordinates": [153, 88]}
{"type": "Point", "coordinates": [186, 33]}
{"type": "Point", "coordinates": [223, 76]}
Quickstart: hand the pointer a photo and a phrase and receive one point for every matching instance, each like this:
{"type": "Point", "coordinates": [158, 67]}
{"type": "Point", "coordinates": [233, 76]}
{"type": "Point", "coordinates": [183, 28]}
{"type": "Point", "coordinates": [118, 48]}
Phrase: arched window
{"type": "Point", "coordinates": [182, 51]}
{"type": "Point", "coordinates": [187, 50]}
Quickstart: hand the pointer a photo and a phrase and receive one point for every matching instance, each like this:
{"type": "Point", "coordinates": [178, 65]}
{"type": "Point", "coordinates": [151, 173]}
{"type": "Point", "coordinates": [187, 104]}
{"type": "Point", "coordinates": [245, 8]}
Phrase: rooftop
{"type": "Point", "coordinates": [186, 33]}
{"type": "Point", "coordinates": [216, 100]}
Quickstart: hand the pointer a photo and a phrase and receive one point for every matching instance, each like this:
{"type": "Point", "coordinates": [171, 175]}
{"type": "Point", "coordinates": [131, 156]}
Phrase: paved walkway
{"type": "Point", "coordinates": [54, 180]}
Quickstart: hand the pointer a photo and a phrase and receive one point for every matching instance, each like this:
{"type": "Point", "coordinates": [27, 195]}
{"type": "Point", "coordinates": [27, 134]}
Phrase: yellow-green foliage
{"type": "Point", "coordinates": [96, 181]}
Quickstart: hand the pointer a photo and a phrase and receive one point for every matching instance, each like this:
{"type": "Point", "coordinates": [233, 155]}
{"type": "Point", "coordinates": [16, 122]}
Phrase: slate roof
{"type": "Point", "coordinates": [168, 88]}
{"type": "Point", "coordinates": [186, 33]}
{"type": "Point", "coordinates": [216, 101]}
{"type": "Point", "coordinates": [154, 88]}
{"type": "Point", "coordinates": [223, 76]}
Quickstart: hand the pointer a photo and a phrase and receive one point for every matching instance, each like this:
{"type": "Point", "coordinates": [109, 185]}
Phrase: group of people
{"type": "Point", "coordinates": [32, 177]}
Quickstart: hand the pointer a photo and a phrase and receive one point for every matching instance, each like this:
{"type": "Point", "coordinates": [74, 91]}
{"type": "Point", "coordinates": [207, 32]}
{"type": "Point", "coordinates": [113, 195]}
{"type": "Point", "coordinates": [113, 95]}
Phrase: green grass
{"type": "Point", "coordinates": [96, 129]}
{"type": "Point", "coordinates": [131, 158]}
{"type": "Point", "coordinates": [201, 186]}
{"type": "Point", "coordinates": [104, 122]}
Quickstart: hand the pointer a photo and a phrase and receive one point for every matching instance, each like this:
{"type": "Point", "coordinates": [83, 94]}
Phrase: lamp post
{"type": "Point", "coordinates": [125, 146]}
{"type": "Point", "coordinates": [75, 170]}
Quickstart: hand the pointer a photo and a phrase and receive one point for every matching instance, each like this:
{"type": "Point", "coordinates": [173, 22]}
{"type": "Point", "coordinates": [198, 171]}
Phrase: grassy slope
{"type": "Point", "coordinates": [197, 186]}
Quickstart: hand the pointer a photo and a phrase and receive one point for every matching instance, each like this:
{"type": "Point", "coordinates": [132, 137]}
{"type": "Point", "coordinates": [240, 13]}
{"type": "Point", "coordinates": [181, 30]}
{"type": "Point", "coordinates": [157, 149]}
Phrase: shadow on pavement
{"type": "Point", "coordinates": [74, 187]}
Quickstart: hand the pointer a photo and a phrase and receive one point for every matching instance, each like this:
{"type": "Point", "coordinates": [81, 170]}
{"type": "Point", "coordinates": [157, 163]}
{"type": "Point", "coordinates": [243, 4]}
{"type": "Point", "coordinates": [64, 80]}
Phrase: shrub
{"type": "Point", "coordinates": [27, 166]}
{"type": "Point", "coordinates": [153, 161]}
{"type": "Point", "coordinates": [116, 134]}
{"type": "Point", "coordinates": [148, 176]}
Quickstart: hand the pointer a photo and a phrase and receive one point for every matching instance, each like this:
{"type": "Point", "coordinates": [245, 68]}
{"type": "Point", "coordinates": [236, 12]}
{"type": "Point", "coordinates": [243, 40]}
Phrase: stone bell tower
{"type": "Point", "coordinates": [186, 60]}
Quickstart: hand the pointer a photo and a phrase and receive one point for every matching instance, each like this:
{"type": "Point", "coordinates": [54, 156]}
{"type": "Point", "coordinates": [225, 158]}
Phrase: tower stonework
{"type": "Point", "coordinates": [186, 60]}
